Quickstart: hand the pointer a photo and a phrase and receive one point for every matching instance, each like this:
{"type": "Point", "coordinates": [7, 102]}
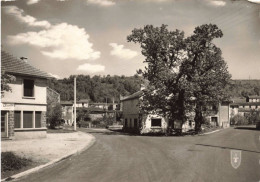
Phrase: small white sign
{"type": "Point", "coordinates": [236, 158]}
{"type": "Point", "coordinates": [7, 106]}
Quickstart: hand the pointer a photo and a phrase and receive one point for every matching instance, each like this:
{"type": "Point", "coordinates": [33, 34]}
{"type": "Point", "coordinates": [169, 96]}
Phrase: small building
{"type": "Point", "coordinates": [23, 111]}
{"type": "Point", "coordinates": [253, 98]}
{"type": "Point", "coordinates": [67, 111]}
{"type": "Point", "coordinates": [82, 103]}
{"type": "Point", "coordinates": [134, 120]}
{"type": "Point", "coordinates": [219, 115]}
{"type": "Point", "coordinates": [244, 106]}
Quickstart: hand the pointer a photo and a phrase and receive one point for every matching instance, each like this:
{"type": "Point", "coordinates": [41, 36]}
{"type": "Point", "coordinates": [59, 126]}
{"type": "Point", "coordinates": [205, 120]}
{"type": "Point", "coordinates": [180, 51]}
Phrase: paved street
{"type": "Point", "coordinates": [117, 157]}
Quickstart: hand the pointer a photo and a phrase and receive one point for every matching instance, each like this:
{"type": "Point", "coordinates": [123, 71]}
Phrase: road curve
{"type": "Point", "coordinates": [119, 157]}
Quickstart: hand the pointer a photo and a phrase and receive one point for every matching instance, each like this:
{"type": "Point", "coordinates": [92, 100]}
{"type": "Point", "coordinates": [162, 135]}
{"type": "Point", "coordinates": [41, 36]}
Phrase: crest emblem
{"type": "Point", "coordinates": [235, 158]}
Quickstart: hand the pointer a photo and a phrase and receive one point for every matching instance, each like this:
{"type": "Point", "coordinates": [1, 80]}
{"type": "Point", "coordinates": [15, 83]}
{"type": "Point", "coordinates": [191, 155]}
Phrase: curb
{"type": "Point", "coordinates": [32, 170]}
{"type": "Point", "coordinates": [209, 132]}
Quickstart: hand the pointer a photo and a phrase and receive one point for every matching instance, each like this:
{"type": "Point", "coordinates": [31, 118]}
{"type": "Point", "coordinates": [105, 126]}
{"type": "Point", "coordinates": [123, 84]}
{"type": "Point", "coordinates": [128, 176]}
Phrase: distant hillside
{"type": "Point", "coordinates": [102, 88]}
{"type": "Point", "coordinates": [242, 88]}
{"type": "Point", "coordinates": [97, 88]}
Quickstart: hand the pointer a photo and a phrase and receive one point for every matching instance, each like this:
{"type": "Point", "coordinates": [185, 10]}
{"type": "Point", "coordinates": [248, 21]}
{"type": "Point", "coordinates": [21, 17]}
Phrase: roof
{"type": "Point", "coordinates": [238, 100]}
{"type": "Point", "coordinates": [13, 65]}
{"type": "Point", "coordinates": [82, 101]}
{"type": "Point", "coordinates": [66, 103]}
{"type": "Point", "coordinates": [244, 110]}
{"type": "Point", "coordinates": [245, 104]}
{"type": "Point", "coordinates": [253, 97]}
{"type": "Point", "coordinates": [133, 96]}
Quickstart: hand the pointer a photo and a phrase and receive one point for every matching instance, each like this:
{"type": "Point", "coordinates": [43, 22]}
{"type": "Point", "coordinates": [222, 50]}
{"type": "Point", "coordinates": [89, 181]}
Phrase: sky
{"type": "Point", "coordinates": [68, 37]}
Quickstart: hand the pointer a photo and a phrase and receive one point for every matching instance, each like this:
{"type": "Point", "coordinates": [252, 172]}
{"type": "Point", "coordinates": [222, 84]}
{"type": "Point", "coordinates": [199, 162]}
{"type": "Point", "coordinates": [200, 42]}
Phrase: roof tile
{"type": "Point", "coordinates": [13, 65]}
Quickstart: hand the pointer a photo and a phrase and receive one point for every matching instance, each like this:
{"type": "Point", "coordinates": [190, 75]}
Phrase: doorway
{"type": "Point", "coordinates": [4, 124]}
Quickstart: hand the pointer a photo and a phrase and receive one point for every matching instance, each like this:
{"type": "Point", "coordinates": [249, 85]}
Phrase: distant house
{"type": "Point", "coordinates": [136, 121]}
{"type": "Point", "coordinates": [219, 115]}
{"type": "Point", "coordinates": [67, 111]}
{"type": "Point", "coordinates": [82, 103]}
{"type": "Point", "coordinates": [23, 111]}
{"type": "Point", "coordinates": [244, 106]}
{"type": "Point", "coordinates": [105, 106]}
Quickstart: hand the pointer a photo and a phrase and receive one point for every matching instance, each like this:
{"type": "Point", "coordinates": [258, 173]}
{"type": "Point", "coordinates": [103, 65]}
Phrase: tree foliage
{"type": "Point", "coordinates": [54, 115]}
{"type": "Point", "coordinates": [184, 73]}
{"type": "Point", "coordinates": [5, 80]}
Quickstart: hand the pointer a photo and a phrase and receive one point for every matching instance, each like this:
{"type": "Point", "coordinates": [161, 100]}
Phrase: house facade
{"type": "Point", "coordinates": [23, 110]}
{"type": "Point", "coordinates": [136, 121]}
{"type": "Point", "coordinates": [244, 106]}
{"type": "Point", "coordinates": [219, 115]}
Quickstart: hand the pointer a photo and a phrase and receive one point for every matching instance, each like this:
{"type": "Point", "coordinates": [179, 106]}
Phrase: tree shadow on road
{"type": "Point", "coordinates": [246, 128]}
{"type": "Point", "coordinates": [229, 148]}
{"type": "Point", "coordinates": [124, 133]}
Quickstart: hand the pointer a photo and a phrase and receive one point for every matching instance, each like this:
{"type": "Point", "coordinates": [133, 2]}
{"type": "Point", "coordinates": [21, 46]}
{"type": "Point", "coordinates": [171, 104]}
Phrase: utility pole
{"type": "Point", "coordinates": [75, 114]}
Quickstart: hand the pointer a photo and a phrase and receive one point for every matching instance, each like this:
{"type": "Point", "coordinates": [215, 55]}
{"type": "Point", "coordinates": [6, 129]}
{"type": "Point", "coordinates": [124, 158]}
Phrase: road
{"type": "Point", "coordinates": [117, 157]}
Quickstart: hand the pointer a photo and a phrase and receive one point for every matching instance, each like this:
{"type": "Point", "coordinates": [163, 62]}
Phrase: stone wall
{"type": "Point", "coordinates": [11, 124]}
{"type": "Point", "coordinates": [43, 119]}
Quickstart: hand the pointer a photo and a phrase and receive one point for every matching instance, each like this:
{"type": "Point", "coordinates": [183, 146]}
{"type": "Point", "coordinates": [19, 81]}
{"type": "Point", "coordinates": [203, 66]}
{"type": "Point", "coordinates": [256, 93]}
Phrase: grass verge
{"type": "Point", "coordinates": [12, 164]}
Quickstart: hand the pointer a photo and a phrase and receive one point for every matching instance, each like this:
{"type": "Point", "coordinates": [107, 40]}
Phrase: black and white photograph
{"type": "Point", "coordinates": [130, 90]}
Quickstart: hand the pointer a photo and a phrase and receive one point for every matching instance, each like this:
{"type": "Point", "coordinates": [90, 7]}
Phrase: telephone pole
{"type": "Point", "coordinates": [75, 114]}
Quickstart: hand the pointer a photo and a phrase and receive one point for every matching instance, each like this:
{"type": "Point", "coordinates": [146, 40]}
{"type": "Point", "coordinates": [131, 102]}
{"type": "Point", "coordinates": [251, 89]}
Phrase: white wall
{"type": "Point", "coordinates": [16, 96]}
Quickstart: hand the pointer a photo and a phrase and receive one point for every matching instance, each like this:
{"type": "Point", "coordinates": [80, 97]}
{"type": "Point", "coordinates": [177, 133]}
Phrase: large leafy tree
{"type": "Point", "coordinates": [185, 74]}
{"type": "Point", "coordinates": [164, 51]}
{"type": "Point", "coordinates": [205, 70]}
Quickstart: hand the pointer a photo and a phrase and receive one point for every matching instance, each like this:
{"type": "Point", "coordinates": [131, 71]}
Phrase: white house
{"type": "Point", "coordinates": [134, 120]}
{"type": "Point", "coordinates": [23, 110]}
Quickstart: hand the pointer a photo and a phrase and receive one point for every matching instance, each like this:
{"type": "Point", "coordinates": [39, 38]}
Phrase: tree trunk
{"type": "Point", "coordinates": [181, 110]}
{"type": "Point", "coordinates": [198, 118]}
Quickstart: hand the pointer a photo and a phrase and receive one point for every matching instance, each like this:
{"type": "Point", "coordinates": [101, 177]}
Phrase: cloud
{"type": "Point", "coordinates": [29, 2]}
{"type": "Point", "coordinates": [29, 20]}
{"type": "Point", "coordinates": [121, 52]}
{"type": "Point", "coordinates": [217, 3]}
{"type": "Point", "coordinates": [91, 68]}
{"type": "Point", "coordinates": [55, 76]}
{"type": "Point", "coordinates": [64, 40]}
{"type": "Point", "coordinates": [254, 1]}
{"type": "Point", "coordinates": [102, 2]}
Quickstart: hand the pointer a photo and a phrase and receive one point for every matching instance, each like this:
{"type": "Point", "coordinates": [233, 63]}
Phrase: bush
{"type": "Point", "coordinates": [238, 120]}
{"type": "Point", "coordinates": [10, 162]}
{"type": "Point", "coordinates": [253, 116]}
{"type": "Point", "coordinates": [54, 114]}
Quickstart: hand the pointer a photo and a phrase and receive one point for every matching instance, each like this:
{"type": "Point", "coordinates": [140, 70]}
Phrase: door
{"type": "Point", "coordinates": [214, 121]}
{"type": "Point", "coordinates": [3, 123]}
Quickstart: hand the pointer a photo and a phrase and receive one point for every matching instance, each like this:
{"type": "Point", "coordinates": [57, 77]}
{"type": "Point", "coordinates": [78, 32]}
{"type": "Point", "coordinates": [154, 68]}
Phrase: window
{"type": "Point", "coordinates": [126, 123]}
{"type": "Point", "coordinates": [28, 88]}
{"type": "Point", "coordinates": [17, 119]}
{"type": "Point", "coordinates": [190, 123]}
{"type": "Point", "coordinates": [135, 123]}
{"type": "Point", "coordinates": [156, 122]}
{"type": "Point", "coordinates": [130, 123]}
{"type": "Point", "coordinates": [27, 119]}
{"type": "Point", "coordinates": [214, 119]}
{"type": "Point", "coordinates": [38, 115]}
